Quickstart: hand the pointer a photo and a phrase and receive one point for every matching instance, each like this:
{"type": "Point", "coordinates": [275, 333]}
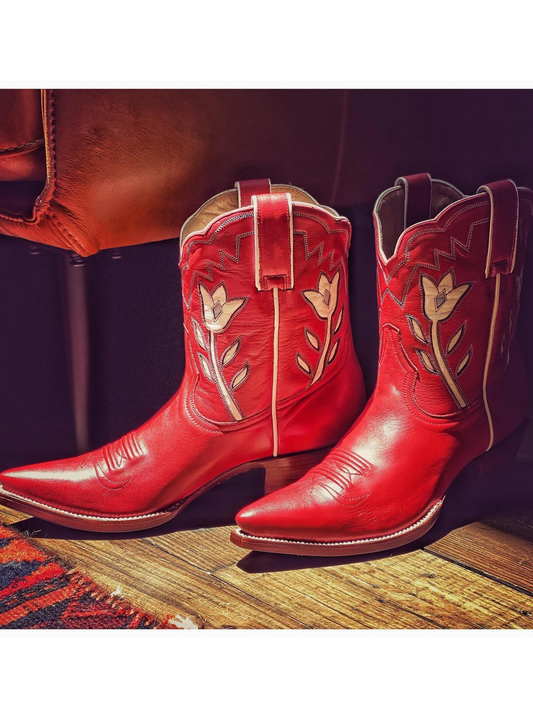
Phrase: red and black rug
{"type": "Point", "coordinates": [39, 592]}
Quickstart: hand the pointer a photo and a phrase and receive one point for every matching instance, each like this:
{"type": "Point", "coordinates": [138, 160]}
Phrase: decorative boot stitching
{"type": "Point", "coordinates": [218, 311]}
{"type": "Point", "coordinates": [324, 301]}
{"type": "Point", "coordinates": [338, 472]}
{"type": "Point", "coordinates": [439, 302]}
{"type": "Point", "coordinates": [319, 249]}
{"type": "Point", "coordinates": [210, 265]}
{"type": "Point", "coordinates": [437, 254]}
{"type": "Point", "coordinates": [117, 459]}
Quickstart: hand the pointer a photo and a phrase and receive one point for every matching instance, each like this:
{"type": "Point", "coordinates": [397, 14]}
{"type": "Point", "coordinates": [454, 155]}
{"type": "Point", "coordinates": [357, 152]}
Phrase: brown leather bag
{"type": "Point", "coordinates": [104, 168]}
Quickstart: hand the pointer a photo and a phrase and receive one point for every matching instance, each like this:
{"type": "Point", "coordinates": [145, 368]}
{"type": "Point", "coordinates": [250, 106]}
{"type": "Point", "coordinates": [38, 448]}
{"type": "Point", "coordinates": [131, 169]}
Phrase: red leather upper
{"type": "Point", "coordinates": [268, 371]}
{"type": "Point", "coordinates": [451, 382]}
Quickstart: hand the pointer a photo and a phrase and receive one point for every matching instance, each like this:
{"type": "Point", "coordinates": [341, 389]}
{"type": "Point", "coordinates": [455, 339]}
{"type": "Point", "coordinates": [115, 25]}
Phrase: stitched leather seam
{"type": "Point", "coordinates": [113, 483]}
{"type": "Point", "coordinates": [68, 234]}
{"type": "Point", "coordinates": [49, 187]}
{"type": "Point", "coordinates": [194, 243]}
{"type": "Point", "coordinates": [410, 401]}
{"type": "Point", "coordinates": [228, 425]}
{"type": "Point", "coordinates": [22, 145]}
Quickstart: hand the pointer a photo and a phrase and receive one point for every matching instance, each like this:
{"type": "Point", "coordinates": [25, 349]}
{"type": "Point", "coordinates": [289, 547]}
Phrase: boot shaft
{"type": "Point", "coordinates": [265, 293]}
{"type": "Point", "coordinates": [449, 279]}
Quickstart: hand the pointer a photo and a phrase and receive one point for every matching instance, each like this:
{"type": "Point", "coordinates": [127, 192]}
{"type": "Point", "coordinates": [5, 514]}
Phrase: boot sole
{"type": "Point", "coordinates": [279, 472]}
{"type": "Point", "coordinates": [503, 454]}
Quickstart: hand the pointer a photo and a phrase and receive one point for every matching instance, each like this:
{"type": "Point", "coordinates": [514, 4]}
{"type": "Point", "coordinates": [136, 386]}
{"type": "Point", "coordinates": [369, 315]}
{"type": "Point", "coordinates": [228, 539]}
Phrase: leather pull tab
{"type": "Point", "coordinates": [417, 206]}
{"type": "Point", "coordinates": [273, 234]}
{"type": "Point", "coordinates": [503, 229]}
{"type": "Point", "coordinates": [247, 188]}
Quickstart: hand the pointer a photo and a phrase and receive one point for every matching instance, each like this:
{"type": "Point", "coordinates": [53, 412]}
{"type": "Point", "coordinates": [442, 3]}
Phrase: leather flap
{"type": "Point", "coordinates": [273, 234]}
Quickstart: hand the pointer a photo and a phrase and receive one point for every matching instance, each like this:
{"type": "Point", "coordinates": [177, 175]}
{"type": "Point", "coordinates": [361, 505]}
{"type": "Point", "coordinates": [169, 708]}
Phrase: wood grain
{"type": "Point", "coordinates": [415, 590]}
{"type": "Point", "coordinates": [492, 552]}
{"type": "Point", "coordinates": [479, 576]}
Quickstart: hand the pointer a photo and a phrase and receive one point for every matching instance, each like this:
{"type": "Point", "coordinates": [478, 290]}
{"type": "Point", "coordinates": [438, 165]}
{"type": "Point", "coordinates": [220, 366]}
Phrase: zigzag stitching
{"type": "Point", "coordinates": [437, 254]}
{"type": "Point", "coordinates": [210, 265]}
{"type": "Point", "coordinates": [320, 249]}
{"type": "Point", "coordinates": [235, 218]}
{"type": "Point", "coordinates": [222, 254]}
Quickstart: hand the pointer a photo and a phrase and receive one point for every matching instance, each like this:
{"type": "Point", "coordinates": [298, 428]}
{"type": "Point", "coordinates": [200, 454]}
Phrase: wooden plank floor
{"type": "Point", "coordinates": [478, 575]}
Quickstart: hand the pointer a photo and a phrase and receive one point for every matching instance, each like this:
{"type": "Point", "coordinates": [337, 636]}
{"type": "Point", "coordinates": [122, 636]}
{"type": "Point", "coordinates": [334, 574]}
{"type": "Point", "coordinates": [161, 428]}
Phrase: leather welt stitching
{"type": "Point", "coordinates": [355, 541]}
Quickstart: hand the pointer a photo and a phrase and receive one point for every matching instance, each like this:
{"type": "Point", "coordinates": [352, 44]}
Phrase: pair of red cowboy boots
{"type": "Point", "coordinates": [272, 379]}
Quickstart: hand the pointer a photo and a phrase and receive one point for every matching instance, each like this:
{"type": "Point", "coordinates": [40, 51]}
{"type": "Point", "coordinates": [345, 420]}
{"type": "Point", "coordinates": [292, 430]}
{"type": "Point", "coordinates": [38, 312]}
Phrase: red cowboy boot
{"type": "Point", "coordinates": [451, 393]}
{"type": "Point", "coordinates": [269, 358]}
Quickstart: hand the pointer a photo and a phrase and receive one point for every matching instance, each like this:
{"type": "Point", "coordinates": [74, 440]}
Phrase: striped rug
{"type": "Point", "coordinates": [37, 591]}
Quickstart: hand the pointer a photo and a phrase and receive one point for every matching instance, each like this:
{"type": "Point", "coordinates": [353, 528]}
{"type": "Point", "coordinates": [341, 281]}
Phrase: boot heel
{"type": "Point", "coordinates": [503, 454]}
{"type": "Point", "coordinates": [488, 484]}
{"type": "Point", "coordinates": [282, 471]}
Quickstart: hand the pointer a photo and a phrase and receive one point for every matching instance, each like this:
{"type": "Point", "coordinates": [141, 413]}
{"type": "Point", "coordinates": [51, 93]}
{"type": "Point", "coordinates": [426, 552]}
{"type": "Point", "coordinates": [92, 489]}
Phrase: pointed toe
{"type": "Point", "coordinates": [255, 519]}
{"type": "Point", "coordinates": [285, 514]}
{"type": "Point", "coordinates": [22, 482]}
{"type": "Point", "coordinates": [39, 483]}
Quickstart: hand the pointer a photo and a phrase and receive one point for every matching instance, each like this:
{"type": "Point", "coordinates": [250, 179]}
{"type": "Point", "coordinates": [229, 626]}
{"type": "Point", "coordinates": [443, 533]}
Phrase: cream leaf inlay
{"type": "Point", "coordinates": [304, 365]}
{"type": "Point", "coordinates": [324, 301]}
{"type": "Point", "coordinates": [416, 329]}
{"type": "Point", "coordinates": [464, 362]}
{"type": "Point", "coordinates": [230, 353]}
{"type": "Point", "coordinates": [205, 366]}
{"type": "Point", "coordinates": [312, 339]}
{"type": "Point", "coordinates": [339, 320]}
{"type": "Point", "coordinates": [440, 300]}
{"type": "Point", "coordinates": [333, 352]}
{"type": "Point", "coordinates": [198, 334]}
{"type": "Point", "coordinates": [240, 377]}
{"type": "Point", "coordinates": [426, 361]}
{"type": "Point", "coordinates": [454, 340]}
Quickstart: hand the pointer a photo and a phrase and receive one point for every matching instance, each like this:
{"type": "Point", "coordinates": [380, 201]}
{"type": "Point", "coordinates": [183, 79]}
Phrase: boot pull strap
{"type": "Point", "coordinates": [417, 204]}
{"type": "Point", "coordinates": [273, 235]}
{"type": "Point", "coordinates": [503, 229]}
{"type": "Point", "coordinates": [247, 188]}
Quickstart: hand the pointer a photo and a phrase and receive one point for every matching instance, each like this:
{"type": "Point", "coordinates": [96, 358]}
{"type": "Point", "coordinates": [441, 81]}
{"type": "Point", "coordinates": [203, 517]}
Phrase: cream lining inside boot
{"type": "Point", "coordinates": [229, 200]}
{"type": "Point", "coordinates": [390, 211]}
